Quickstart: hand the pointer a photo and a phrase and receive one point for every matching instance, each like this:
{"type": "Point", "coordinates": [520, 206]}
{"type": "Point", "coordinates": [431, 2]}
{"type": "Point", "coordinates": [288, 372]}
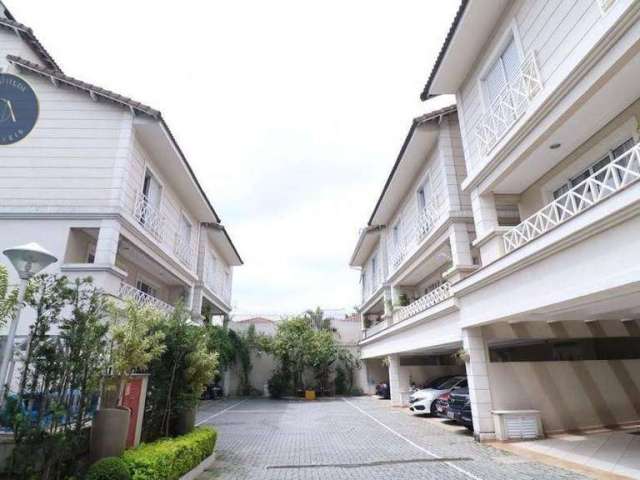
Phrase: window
{"type": "Point", "coordinates": [424, 193]}
{"type": "Point", "coordinates": [91, 253]}
{"type": "Point", "coordinates": [185, 229]}
{"type": "Point", "coordinates": [144, 287]}
{"type": "Point", "coordinates": [503, 72]}
{"type": "Point", "coordinates": [211, 269]}
{"type": "Point", "coordinates": [151, 189]}
{"type": "Point", "coordinates": [614, 154]}
{"type": "Point", "coordinates": [396, 233]}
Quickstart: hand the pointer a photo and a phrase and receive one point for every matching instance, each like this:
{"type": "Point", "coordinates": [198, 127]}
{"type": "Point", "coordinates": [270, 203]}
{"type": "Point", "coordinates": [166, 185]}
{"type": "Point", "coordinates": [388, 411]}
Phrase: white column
{"type": "Point", "coordinates": [398, 382]}
{"type": "Point", "coordinates": [461, 259]}
{"type": "Point", "coordinates": [107, 246]}
{"type": "Point", "coordinates": [489, 235]}
{"type": "Point", "coordinates": [477, 365]}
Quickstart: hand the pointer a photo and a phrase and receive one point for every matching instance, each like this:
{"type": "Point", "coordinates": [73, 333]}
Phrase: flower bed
{"type": "Point", "coordinates": [170, 458]}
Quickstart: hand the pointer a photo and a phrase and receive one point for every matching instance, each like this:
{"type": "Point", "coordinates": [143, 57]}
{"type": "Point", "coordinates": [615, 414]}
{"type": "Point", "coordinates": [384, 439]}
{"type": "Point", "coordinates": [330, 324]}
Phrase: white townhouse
{"type": "Point", "coordinates": [548, 103]}
{"type": "Point", "coordinates": [416, 245]}
{"type": "Point", "coordinates": [101, 182]}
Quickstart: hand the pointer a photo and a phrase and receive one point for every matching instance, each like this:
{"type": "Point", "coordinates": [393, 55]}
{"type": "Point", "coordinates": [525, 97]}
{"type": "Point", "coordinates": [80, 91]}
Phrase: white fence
{"type": "Point", "coordinates": [143, 299]}
{"type": "Point", "coordinates": [425, 302]}
{"type": "Point", "coordinates": [623, 171]}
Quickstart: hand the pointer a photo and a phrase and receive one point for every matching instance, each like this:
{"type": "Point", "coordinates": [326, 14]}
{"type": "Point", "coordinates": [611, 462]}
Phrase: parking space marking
{"type": "Point", "coordinates": [220, 412]}
{"type": "Point", "coordinates": [412, 443]}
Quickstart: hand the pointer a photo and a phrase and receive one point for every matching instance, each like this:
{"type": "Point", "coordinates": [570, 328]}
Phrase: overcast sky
{"type": "Point", "coordinates": [291, 113]}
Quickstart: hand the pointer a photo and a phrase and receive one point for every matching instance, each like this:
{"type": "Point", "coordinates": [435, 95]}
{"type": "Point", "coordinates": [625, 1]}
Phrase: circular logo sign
{"type": "Point", "coordinates": [18, 109]}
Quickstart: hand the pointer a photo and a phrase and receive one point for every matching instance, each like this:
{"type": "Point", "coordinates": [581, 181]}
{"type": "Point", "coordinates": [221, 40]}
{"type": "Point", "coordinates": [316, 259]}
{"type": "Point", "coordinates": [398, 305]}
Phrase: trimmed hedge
{"type": "Point", "coordinates": [170, 458]}
{"type": "Point", "coordinates": [111, 468]}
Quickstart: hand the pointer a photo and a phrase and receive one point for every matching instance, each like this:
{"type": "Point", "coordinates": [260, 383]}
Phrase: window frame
{"type": "Point", "coordinates": [510, 33]}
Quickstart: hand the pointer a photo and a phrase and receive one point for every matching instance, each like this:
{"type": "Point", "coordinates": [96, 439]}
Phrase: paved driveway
{"type": "Point", "coordinates": [356, 438]}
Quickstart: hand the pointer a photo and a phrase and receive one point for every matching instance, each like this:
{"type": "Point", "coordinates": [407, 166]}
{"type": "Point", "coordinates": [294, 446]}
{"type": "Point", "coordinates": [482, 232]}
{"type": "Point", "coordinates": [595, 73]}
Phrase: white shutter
{"type": "Point", "coordinates": [494, 82]}
{"type": "Point", "coordinates": [153, 196]}
{"type": "Point", "coordinates": [511, 61]}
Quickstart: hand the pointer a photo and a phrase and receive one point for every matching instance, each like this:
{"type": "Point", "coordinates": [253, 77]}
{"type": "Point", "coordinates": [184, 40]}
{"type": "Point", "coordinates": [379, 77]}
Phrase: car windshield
{"type": "Point", "coordinates": [436, 382]}
{"type": "Point", "coordinates": [449, 383]}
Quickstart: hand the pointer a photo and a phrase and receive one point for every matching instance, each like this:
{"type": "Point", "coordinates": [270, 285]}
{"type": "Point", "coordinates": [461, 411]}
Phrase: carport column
{"type": "Point", "coordinates": [478, 377]}
{"type": "Point", "coordinates": [398, 382]}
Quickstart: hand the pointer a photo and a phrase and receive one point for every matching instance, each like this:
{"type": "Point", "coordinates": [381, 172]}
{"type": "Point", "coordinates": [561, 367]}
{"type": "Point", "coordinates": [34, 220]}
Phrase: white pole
{"type": "Point", "coordinates": [7, 354]}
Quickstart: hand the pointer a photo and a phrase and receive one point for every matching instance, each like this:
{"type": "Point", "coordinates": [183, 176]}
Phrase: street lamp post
{"type": "Point", "coordinates": [28, 260]}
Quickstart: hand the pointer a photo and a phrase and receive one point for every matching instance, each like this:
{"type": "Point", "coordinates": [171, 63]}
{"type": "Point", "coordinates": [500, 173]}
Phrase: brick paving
{"type": "Point", "coordinates": [361, 438]}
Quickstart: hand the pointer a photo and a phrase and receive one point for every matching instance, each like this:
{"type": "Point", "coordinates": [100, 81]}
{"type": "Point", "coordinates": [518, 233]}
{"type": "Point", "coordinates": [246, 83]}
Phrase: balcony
{"type": "Point", "coordinates": [425, 302]}
{"type": "Point", "coordinates": [149, 217]}
{"type": "Point", "coordinates": [510, 105]}
{"type": "Point", "coordinates": [377, 328]}
{"type": "Point", "coordinates": [612, 178]}
{"type": "Point", "coordinates": [143, 299]}
{"type": "Point", "coordinates": [166, 233]}
{"type": "Point", "coordinates": [184, 250]}
{"type": "Point", "coordinates": [416, 232]}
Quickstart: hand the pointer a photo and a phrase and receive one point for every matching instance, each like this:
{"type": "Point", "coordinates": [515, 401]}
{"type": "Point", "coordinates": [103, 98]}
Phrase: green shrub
{"type": "Point", "coordinates": [170, 458]}
{"type": "Point", "coordinates": [111, 468]}
{"type": "Point", "coordinates": [278, 385]}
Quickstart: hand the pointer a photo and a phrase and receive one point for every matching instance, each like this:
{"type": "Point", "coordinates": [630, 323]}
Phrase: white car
{"type": "Point", "coordinates": [424, 401]}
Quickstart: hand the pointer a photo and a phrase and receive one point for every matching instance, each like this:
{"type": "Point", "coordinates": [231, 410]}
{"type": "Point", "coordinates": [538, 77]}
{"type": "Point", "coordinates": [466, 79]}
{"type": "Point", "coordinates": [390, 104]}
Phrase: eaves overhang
{"type": "Point", "coordinates": [153, 117]}
{"type": "Point", "coordinates": [367, 240]}
{"type": "Point", "coordinates": [422, 136]}
{"type": "Point", "coordinates": [472, 27]}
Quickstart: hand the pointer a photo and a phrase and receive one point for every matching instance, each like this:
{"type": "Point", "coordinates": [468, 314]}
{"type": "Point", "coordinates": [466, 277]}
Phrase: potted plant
{"type": "Point", "coordinates": [134, 343]}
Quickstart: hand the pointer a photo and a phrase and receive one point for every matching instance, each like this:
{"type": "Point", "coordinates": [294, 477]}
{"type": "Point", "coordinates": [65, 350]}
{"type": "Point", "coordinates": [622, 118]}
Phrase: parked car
{"type": "Point", "coordinates": [442, 404]}
{"type": "Point", "coordinates": [424, 401]}
{"type": "Point", "coordinates": [459, 408]}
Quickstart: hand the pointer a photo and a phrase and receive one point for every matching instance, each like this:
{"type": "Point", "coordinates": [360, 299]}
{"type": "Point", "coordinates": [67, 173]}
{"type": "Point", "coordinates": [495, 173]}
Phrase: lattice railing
{"type": "Point", "coordinates": [149, 217]}
{"type": "Point", "coordinates": [623, 171]}
{"type": "Point", "coordinates": [184, 249]}
{"type": "Point", "coordinates": [432, 298]}
{"type": "Point", "coordinates": [143, 299]}
{"type": "Point", "coordinates": [377, 328]}
{"type": "Point", "coordinates": [509, 105]}
{"type": "Point", "coordinates": [416, 231]}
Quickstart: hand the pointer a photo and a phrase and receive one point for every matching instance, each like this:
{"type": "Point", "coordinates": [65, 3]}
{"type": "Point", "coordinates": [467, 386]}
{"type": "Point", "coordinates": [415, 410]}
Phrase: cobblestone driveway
{"type": "Point", "coordinates": [358, 438]}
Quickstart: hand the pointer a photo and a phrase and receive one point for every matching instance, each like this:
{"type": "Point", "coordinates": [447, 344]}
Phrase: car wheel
{"type": "Point", "coordinates": [434, 412]}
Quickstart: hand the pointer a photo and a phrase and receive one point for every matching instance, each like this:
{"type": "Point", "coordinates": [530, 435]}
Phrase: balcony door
{"type": "Point", "coordinates": [152, 192]}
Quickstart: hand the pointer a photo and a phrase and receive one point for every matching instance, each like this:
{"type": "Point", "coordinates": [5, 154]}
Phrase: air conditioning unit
{"type": "Point", "coordinates": [517, 424]}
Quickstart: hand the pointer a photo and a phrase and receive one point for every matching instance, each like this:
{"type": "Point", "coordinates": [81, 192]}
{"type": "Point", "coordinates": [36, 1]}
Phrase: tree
{"type": "Point", "coordinates": [322, 353]}
{"type": "Point", "coordinates": [135, 341]}
{"type": "Point", "coordinates": [60, 377]}
{"type": "Point", "coordinates": [317, 320]}
{"type": "Point", "coordinates": [8, 297]}
{"type": "Point", "coordinates": [290, 343]}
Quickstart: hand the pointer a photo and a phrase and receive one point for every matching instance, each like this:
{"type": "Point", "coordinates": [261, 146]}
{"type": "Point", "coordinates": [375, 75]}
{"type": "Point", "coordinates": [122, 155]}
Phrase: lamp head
{"type": "Point", "coordinates": [29, 259]}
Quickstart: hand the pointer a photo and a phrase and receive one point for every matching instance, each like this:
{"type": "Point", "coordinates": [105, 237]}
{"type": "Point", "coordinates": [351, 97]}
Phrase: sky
{"type": "Point", "coordinates": [290, 112]}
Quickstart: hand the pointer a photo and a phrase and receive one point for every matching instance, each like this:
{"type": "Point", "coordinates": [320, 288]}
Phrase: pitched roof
{"type": "Point", "coordinates": [421, 120]}
{"type": "Point", "coordinates": [425, 95]}
{"type": "Point", "coordinates": [112, 97]}
{"type": "Point", "coordinates": [92, 90]}
{"type": "Point", "coordinates": [27, 34]}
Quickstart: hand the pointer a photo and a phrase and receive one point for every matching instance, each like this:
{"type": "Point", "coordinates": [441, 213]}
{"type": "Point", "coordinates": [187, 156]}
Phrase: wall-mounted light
{"type": "Point", "coordinates": [555, 146]}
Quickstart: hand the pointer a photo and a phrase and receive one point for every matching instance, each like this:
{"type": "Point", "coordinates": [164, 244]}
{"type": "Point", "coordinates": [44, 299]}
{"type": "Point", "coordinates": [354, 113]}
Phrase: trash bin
{"type": "Point", "coordinates": [309, 394]}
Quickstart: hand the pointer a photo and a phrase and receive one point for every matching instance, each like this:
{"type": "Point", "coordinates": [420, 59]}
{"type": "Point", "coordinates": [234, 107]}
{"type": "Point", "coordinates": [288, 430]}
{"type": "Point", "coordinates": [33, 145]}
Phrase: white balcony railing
{"type": "Point", "coordinates": [621, 172]}
{"type": "Point", "coordinates": [509, 105]}
{"type": "Point", "coordinates": [415, 232]}
{"type": "Point", "coordinates": [143, 299]}
{"type": "Point", "coordinates": [149, 217]}
{"type": "Point", "coordinates": [378, 327]}
{"type": "Point", "coordinates": [184, 249]}
{"type": "Point", "coordinates": [432, 298]}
